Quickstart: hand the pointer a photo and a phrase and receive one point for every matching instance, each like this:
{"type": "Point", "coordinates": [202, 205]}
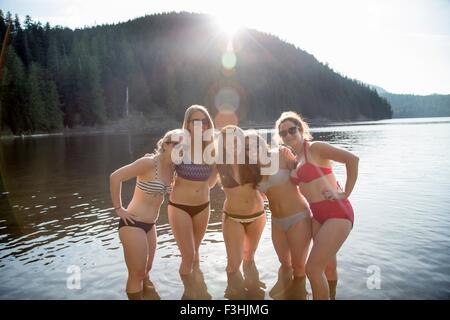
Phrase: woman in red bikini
{"type": "Point", "coordinates": [332, 212]}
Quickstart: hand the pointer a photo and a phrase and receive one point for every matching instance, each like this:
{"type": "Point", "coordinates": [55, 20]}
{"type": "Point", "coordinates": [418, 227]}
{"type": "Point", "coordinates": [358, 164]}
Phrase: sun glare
{"type": "Point", "coordinates": [228, 24]}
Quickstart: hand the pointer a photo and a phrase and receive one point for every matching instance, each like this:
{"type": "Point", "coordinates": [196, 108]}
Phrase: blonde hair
{"type": "Point", "coordinates": [166, 138]}
{"type": "Point", "coordinates": [191, 110]}
{"type": "Point", "coordinates": [295, 118]}
{"type": "Point", "coordinates": [187, 118]}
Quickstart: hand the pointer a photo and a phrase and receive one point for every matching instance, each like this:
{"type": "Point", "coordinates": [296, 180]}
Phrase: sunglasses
{"type": "Point", "coordinates": [204, 121]}
{"type": "Point", "coordinates": [174, 143]}
{"type": "Point", "coordinates": [291, 130]}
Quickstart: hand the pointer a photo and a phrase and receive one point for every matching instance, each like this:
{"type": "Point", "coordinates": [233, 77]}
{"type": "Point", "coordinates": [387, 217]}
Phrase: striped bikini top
{"type": "Point", "coordinates": [154, 187]}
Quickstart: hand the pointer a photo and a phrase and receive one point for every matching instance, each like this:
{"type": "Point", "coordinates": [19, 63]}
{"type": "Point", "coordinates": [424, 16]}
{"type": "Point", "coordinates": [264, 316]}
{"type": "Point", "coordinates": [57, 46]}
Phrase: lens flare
{"type": "Point", "coordinates": [229, 60]}
{"type": "Point", "coordinates": [227, 100]}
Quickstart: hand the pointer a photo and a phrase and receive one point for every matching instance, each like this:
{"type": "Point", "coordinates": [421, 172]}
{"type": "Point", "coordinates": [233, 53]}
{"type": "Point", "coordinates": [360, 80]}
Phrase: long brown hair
{"type": "Point", "coordinates": [249, 173]}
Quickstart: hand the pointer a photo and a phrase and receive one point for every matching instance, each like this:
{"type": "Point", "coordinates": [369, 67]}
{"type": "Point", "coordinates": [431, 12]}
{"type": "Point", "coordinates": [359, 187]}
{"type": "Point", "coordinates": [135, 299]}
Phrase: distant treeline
{"type": "Point", "coordinates": [56, 77]}
{"type": "Point", "coordinates": [413, 106]}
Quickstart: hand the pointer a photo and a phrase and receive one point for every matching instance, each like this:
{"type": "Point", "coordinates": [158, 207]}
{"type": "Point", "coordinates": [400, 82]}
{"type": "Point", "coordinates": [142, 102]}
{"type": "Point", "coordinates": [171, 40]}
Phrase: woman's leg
{"type": "Point", "coordinates": [282, 249]}
{"type": "Point", "coordinates": [151, 240]}
{"type": "Point", "coordinates": [332, 276]}
{"type": "Point", "coordinates": [281, 245]}
{"type": "Point", "coordinates": [252, 236]}
{"type": "Point", "coordinates": [135, 248]}
{"type": "Point", "coordinates": [253, 231]}
{"type": "Point", "coordinates": [327, 242]}
{"type": "Point", "coordinates": [200, 223]}
{"type": "Point", "coordinates": [299, 238]}
{"type": "Point", "coordinates": [233, 236]}
{"type": "Point", "coordinates": [331, 269]}
{"type": "Point", "coordinates": [183, 233]}
{"type": "Point", "coordinates": [149, 288]}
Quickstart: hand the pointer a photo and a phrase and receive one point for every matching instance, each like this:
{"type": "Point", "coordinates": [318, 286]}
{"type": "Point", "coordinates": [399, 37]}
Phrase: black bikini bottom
{"type": "Point", "coordinates": [191, 210]}
{"type": "Point", "coordinates": [137, 224]}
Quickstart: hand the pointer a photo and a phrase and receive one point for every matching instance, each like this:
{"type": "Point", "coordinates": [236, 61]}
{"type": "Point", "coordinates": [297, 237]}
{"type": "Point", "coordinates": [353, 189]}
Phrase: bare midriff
{"type": "Point", "coordinates": [285, 200]}
{"type": "Point", "coordinates": [144, 206]}
{"type": "Point", "coordinates": [243, 200]}
{"type": "Point", "coordinates": [189, 192]}
{"type": "Point", "coordinates": [313, 191]}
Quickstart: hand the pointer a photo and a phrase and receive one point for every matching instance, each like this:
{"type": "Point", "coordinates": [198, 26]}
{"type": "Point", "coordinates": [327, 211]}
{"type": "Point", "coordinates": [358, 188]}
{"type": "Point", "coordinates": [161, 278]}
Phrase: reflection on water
{"type": "Point", "coordinates": [55, 212]}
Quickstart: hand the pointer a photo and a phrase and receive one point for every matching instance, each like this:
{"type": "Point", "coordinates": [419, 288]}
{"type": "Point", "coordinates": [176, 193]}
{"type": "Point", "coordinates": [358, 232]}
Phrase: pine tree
{"type": "Point", "coordinates": [36, 101]}
{"type": "Point", "coordinates": [15, 111]}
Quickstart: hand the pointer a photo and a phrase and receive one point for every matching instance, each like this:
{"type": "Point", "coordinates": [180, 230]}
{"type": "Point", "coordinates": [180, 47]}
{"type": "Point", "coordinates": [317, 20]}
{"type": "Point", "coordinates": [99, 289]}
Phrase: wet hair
{"type": "Point", "coordinates": [295, 118]}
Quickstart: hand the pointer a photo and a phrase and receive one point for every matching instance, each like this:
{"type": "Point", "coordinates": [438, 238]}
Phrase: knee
{"type": "Point", "coordinates": [331, 270]}
{"type": "Point", "coordinates": [331, 267]}
{"type": "Point", "coordinates": [313, 269]}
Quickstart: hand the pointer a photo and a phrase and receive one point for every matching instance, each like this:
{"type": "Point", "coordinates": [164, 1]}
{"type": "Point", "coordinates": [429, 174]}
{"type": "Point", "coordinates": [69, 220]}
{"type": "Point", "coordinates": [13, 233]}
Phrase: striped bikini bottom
{"type": "Point", "coordinates": [245, 220]}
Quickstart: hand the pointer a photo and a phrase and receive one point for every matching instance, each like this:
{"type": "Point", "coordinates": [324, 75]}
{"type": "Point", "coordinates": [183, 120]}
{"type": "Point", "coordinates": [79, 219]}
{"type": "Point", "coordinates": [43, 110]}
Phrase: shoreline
{"type": "Point", "coordinates": [154, 126]}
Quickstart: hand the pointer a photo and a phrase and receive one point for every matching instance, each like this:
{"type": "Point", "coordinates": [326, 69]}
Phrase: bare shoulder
{"type": "Point", "coordinates": [324, 150]}
{"type": "Point", "coordinates": [320, 145]}
{"type": "Point", "coordinates": [321, 152]}
{"type": "Point", "coordinates": [147, 161]}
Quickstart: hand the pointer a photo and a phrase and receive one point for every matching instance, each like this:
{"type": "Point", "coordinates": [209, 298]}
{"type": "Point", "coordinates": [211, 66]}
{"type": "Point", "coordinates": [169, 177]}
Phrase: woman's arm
{"type": "Point", "coordinates": [213, 178]}
{"type": "Point", "coordinates": [328, 152]}
{"type": "Point", "coordinates": [137, 168]}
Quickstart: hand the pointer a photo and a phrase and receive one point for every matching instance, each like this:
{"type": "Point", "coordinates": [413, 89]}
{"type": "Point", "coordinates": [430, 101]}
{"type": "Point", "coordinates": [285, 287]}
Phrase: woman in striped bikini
{"type": "Point", "coordinates": [137, 230]}
{"type": "Point", "coordinates": [188, 207]}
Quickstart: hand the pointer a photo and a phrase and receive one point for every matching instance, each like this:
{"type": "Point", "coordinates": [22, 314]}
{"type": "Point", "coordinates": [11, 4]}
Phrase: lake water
{"type": "Point", "coordinates": [55, 213]}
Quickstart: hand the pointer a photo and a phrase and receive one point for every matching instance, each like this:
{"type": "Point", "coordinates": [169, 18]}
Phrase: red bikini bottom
{"type": "Point", "coordinates": [329, 209]}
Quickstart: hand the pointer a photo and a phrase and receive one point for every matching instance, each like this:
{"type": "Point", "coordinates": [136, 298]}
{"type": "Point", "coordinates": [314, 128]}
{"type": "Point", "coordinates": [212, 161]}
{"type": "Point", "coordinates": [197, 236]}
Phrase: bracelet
{"type": "Point", "coordinates": [117, 207]}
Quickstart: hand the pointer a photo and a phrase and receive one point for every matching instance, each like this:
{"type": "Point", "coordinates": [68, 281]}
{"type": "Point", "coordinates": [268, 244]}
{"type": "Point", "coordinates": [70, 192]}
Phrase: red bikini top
{"type": "Point", "coordinates": [308, 172]}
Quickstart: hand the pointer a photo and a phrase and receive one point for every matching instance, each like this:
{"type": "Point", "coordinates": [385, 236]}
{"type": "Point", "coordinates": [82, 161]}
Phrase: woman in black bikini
{"type": "Point", "coordinates": [137, 230]}
{"type": "Point", "coordinates": [244, 217]}
{"type": "Point", "coordinates": [188, 207]}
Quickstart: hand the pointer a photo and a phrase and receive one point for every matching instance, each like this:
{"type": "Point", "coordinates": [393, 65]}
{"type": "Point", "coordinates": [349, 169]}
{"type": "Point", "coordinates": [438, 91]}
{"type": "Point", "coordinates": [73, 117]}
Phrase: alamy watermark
{"type": "Point", "coordinates": [73, 281]}
{"type": "Point", "coordinates": [374, 280]}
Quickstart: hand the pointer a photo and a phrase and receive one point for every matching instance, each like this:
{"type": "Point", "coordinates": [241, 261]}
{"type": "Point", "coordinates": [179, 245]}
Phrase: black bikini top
{"type": "Point", "coordinates": [248, 174]}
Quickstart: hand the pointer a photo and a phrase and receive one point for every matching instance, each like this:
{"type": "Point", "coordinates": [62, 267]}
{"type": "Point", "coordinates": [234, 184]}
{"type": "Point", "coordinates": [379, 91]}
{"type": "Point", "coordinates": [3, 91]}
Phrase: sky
{"type": "Point", "coordinates": [402, 46]}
